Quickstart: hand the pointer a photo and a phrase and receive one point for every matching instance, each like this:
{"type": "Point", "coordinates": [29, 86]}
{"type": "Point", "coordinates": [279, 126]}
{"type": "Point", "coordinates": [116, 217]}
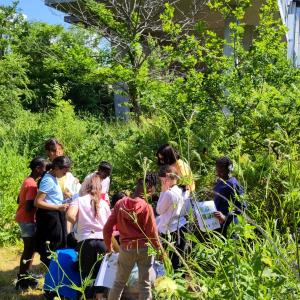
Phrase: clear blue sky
{"type": "Point", "coordinates": [36, 10]}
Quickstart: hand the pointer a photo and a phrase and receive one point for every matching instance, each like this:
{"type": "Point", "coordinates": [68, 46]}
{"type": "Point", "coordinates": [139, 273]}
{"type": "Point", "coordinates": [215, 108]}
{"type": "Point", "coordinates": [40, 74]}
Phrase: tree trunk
{"type": "Point", "coordinates": [134, 99]}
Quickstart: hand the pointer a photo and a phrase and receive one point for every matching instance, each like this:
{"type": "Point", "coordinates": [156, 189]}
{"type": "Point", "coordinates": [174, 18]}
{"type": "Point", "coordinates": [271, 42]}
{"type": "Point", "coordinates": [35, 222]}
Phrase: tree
{"type": "Point", "coordinates": [134, 29]}
{"type": "Point", "coordinates": [13, 77]}
{"type": "Point", "coordinates": [69, 58]}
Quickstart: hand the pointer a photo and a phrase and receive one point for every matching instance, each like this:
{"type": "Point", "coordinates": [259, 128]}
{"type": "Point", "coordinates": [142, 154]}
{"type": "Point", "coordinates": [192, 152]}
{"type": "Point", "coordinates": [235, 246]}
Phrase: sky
{"type": "Point", "coordinates": [36, 10]}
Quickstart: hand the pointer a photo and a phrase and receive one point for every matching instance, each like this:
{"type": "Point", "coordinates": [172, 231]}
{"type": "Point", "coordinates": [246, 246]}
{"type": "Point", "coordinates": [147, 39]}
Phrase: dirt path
{"type": "Point", "coordinates": [9, 264]}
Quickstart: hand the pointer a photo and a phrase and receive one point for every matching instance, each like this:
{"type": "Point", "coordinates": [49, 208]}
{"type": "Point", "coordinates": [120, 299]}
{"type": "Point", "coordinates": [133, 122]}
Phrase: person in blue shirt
{"type": "Point", "coordinates": [227, 190]}
{"type": "Point", "coordinates": [51, 232]}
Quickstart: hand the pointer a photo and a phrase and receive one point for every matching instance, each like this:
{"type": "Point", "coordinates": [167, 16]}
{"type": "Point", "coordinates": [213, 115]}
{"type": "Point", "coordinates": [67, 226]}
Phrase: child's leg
{"type": "Point", "coordinates": [27, 255]}
{"type": "Point", "coordinates": [144, 263]}
{"type": "Point", "coordinates": [88, 260]}
{"type": "Point", "coordinates": [28, 237]}
{"type": "Point", "coordinates": [126, 261]}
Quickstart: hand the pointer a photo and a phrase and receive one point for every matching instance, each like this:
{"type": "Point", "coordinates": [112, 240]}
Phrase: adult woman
{"type": "Point", "coordinates": [170, 209]}
{"type": "Point", "coordinates": [50, 216]}
{"type": "Point", "coordinates": [25, 216]}
{"type": "Point", "coordinates": [90, 212]}
{"type": "Point", "coordinates": [167, 155]}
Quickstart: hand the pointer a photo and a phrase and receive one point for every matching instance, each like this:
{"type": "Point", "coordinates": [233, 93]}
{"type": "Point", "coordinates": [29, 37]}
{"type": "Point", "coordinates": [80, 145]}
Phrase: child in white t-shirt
{"type": "Point", "coordinates": [170, 209]}
{"type": "Point", "coordinates": [104, 172]}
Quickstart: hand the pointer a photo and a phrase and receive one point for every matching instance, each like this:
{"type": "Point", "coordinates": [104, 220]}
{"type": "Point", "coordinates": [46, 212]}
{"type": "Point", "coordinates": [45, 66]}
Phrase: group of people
{"type": "Point", "coordinates": [56, 211]}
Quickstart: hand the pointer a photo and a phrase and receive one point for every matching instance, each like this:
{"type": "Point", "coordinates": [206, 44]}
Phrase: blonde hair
{"type": "Point", "coordinates": [93, 188]}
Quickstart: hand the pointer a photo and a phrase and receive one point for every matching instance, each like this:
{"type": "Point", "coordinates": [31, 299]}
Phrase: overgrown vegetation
{"type": "Point", "coordinates": [245, 106]}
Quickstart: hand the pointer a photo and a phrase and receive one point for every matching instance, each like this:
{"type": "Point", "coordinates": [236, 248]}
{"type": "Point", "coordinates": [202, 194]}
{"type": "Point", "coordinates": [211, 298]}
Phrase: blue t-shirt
{"type": "Point", "coordinates": [226, 191]}
{"type": "Point", "coordinates": [49, 185]}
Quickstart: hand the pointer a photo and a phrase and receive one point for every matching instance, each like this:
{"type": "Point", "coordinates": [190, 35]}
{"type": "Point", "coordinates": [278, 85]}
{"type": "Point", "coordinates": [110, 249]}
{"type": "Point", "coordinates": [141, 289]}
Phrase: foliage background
{"type": "Point", "coordinates": [56, 83]}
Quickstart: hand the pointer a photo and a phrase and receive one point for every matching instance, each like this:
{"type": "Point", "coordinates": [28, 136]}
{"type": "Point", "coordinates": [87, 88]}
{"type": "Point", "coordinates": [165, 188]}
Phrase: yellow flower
{"type": "Point", "coordinates": [165, 285]}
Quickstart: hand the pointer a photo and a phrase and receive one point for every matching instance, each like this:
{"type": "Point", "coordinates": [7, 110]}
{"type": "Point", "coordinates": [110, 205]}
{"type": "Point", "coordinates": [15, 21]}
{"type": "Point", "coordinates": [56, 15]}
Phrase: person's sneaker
{"type": "Point", "coordinates": [24, 281]}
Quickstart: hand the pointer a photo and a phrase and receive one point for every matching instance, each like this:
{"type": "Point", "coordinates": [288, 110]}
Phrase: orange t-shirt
{"type": "Point", "coordinates": [28, 192]}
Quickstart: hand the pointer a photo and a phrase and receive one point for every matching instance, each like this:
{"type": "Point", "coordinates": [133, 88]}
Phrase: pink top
{"type": "Point", "coordinates": [88, 226]}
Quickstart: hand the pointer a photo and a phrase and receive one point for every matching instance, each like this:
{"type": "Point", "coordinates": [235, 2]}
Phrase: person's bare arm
{"type": "Point", "coordinates": [72, 214]}
{"type": "Point", "coordinates": [40, 202]}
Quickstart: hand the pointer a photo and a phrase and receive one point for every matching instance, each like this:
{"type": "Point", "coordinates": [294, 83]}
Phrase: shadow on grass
{"type": "Point", "coordinates": [7, 285]}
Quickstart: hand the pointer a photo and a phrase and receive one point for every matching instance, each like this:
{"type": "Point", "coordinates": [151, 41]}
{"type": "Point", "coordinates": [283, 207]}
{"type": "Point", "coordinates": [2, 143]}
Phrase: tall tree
{"type": "Point", "coordinates": [133, 28]}
{"type": "Point", "coordinates": [13, 65]}
{"type": "Point", "coordinates": [69, 58]}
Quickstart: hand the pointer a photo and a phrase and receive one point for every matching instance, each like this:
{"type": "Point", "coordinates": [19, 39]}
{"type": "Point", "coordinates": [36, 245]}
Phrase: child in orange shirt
{"type": "Point", "coordinates": [25, 216]}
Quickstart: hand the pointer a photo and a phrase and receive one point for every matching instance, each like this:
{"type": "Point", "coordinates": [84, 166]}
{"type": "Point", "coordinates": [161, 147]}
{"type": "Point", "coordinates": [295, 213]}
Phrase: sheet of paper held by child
{"type": "Point", "coordinates": [204, 212]}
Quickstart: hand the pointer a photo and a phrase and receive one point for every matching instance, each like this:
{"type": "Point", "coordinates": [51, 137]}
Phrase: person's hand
{"type": "Point", "coordinates": [220, 217]}
{"type": "Point", "coordinates": [63, 207]}
{"type": "Point", "coordinates": [67, 194]}
{"type": "Point", "coordinates": [109, 251]}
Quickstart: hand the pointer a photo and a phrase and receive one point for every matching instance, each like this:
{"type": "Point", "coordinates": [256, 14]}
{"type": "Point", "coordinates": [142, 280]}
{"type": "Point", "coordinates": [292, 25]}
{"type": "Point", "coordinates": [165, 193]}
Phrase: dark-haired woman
{"type": "Point", "coordinates": [90, 212]}
{"type": "Point", "coordinates": [167, 155]}
{"type": "Point", "coordinates": [50, 217]}
{"type": "Point", "coordinates": [226, 190]}
{"type": "Point", "coordinates": [25, 216]}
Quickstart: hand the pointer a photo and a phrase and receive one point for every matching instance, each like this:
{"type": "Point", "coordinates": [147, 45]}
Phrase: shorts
{"type": "Point", "coordinates": [27, 229]}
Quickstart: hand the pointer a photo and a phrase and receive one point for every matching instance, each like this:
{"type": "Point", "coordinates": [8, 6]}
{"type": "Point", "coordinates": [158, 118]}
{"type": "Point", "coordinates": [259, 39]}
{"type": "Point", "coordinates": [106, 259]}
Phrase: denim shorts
{"type": "Point", "coordinates": [27, 229]}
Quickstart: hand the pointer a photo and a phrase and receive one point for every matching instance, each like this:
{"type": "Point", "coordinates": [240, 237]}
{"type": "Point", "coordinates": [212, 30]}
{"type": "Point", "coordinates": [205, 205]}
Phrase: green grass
{"type": "Point", "coordinates": [9, 265]}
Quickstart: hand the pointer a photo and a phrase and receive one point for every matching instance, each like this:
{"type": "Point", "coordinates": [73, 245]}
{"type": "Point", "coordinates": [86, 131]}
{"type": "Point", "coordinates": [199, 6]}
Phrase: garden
{"type": "Point", "coordinates": [58, 83]}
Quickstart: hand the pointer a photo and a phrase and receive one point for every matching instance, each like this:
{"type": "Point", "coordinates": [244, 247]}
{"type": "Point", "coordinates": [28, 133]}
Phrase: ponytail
{"type": "Point", "coordinates": [94, 190]}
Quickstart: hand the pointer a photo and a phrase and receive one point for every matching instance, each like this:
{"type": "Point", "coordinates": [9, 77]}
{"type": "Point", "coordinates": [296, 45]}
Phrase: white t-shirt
{"type": "Point", "coordinates": [170, 210]}
{"type": "Point", "coordinates": [104, 185]}
{"type": "Point", "coordinates": [88, 226]}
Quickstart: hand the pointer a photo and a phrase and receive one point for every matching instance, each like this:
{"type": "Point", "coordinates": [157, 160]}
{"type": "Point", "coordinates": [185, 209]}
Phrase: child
{"type": "Point", "coordinates": [227, 189]}
{"type": "Point", "coordinates": [25, 216]}
{"type": "Point", "coordinates": [134, 218]}
{"type": "Point", "coordinates": [50, 216]}
{"type": "Point", "coordinates": [104, 172]}
{"type": "Point", "coordinates": [69, 184]}
{"type": "Point", "coordinates": [90, 213]}
{"type": "Point", "coordinates": [170, 209]}
{"type": "Point", "coordinates": [116, 197]}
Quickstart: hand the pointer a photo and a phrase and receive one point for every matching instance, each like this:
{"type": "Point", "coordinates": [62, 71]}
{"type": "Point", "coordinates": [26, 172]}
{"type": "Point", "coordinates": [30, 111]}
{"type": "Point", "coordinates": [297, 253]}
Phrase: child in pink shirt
{"type": "Point", "coordinates": [90, 213]}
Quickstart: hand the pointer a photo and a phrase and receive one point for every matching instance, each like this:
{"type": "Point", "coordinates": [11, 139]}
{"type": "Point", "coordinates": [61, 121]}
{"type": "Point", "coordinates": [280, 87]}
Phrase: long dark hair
{"type": "Point", "coordinates": [60, 162]}
{"type": "Point", "coordinates": [169, 154]}
{"type": "Point", "coordinates": [51, 144]}
{"type": "Point", "coordinates": [37, 162]}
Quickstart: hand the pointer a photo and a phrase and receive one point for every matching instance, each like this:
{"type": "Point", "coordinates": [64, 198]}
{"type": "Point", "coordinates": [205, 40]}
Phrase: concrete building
{"type": "Point", "coordinates": [289, 11]}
